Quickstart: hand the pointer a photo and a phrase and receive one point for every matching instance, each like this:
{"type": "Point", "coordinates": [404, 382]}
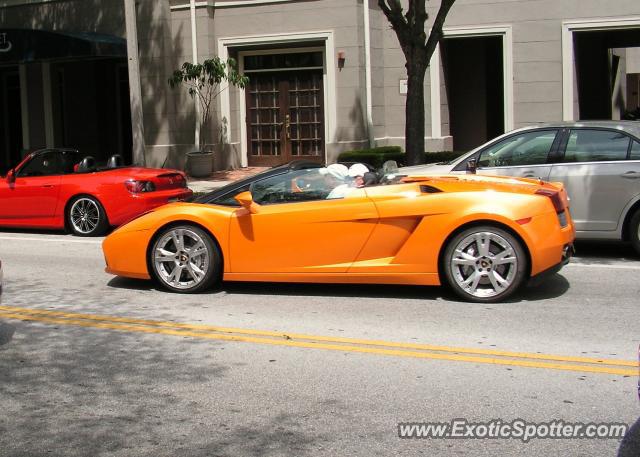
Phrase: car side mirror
{"type": "Point", "coordinates": [472, 166]}
{"type": "Point", "coordinates": [246, 201]}
{"type": "Point", "coordinates": [11, 176]}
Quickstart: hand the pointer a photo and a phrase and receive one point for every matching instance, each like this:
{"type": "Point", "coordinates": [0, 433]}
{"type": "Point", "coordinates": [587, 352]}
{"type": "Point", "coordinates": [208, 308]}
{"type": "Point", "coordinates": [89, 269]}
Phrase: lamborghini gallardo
{"type": "Point", "coordinates": [482, 236]}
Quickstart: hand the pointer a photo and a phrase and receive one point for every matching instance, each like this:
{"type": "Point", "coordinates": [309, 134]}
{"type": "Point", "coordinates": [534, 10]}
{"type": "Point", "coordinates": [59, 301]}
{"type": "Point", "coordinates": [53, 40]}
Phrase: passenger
{"type": "Point", "coordinates": [357, 172]}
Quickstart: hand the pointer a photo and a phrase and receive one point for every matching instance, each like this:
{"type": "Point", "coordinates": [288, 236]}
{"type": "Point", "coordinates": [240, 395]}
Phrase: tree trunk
{"type": "Point", "coordinates": [414, 127]}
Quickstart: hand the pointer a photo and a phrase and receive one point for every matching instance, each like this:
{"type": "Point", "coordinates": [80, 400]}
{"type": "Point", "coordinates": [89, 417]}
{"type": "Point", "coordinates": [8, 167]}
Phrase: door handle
{"type": "Point", "coordinates": [631, 175]}
{"type": "Point", "coordinates": [528, 175]}
{"type": "Point", "coordinates": [287, 126]}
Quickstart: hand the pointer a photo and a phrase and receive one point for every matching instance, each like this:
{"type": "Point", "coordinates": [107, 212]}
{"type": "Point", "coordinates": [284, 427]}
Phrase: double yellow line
{"type": "Point", "coordinates": [411, 350]}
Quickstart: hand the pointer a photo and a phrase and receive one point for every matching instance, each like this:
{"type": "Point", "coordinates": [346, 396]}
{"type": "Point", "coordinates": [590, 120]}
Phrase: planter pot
{"type": "Point", "coordinates": [199, 164]}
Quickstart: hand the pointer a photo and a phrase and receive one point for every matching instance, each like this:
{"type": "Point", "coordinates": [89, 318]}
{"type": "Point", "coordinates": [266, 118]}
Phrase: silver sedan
{"type": "Point", "coordinates": [598, 162]}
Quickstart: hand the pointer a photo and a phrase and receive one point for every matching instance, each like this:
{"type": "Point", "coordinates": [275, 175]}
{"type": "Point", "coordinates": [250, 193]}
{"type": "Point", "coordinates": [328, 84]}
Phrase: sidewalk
{"type": "Point", "coordinates": [221, 178]}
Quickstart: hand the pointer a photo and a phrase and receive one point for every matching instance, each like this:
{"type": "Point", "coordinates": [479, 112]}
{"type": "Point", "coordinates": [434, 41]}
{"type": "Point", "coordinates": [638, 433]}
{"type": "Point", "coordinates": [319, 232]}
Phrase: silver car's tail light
{"type": "Point", "coordinates": [555, 197]}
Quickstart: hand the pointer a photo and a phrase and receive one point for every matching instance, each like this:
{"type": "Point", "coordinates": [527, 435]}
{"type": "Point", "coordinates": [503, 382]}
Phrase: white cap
{"type": "Point", "coordinates": [357, 169]}
{"type": "Point", "coordinates": [337, 170]}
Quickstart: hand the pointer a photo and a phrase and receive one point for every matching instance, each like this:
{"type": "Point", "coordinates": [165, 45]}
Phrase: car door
{"type": "Point", "coordinates": [297, 229]}
{"type": "Point", "coordinates": [524, 154]}
{"type": "Point", "coordinates": [598, 177]}
{"type": "Point", "coordinates": [34, 192]}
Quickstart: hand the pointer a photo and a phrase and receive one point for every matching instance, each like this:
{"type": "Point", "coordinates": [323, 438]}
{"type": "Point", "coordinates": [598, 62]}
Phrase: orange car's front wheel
{"type": "Point", "coordinates": [184, 259]}
{"type": "Point", "coordinates": [485, 264]}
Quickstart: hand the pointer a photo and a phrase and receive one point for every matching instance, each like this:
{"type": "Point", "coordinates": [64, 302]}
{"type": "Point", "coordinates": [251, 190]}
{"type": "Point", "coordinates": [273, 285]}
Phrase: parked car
{"type": "Point", "coordinates": [482, 236]}
{"type": "Point", "coordinates": [62, 188]}
{"type": "Point", "coordinates": [598, 163]}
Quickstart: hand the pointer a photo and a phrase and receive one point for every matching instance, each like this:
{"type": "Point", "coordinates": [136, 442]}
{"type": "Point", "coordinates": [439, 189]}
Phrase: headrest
{"type": "Point", "coordinates": [87, 164]}
{"type": "Point", "coordinates": [115, 161]}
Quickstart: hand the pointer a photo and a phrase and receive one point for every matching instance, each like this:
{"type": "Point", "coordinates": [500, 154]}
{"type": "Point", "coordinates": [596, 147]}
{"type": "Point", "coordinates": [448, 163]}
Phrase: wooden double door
{"type": "Point", "coordinates": [285, 117]}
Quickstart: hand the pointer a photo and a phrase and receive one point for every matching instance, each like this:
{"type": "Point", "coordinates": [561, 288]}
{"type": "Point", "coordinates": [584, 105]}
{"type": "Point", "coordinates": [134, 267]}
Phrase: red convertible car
{"type": "Point", "coordinates": [62, 188]}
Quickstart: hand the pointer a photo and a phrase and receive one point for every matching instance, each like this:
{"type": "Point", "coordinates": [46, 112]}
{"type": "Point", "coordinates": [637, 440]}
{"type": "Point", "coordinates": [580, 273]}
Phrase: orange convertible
{"type": "Point", "coordinates": [483, 236]}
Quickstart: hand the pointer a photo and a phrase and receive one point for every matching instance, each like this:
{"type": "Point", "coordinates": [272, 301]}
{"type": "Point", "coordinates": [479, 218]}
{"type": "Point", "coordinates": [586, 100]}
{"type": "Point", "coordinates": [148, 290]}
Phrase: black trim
{"type": "Point", "coordinates": [562, 149]}
{"type": "Point", "coordinates": [543, 275]}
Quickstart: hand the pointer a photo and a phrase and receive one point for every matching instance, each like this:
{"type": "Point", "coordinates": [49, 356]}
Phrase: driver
{"type": "Point", "coordinates": [335, 176]}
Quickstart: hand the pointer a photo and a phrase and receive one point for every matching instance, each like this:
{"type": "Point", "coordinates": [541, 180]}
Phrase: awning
{"type": "Point", "coordinates": [22, 45]}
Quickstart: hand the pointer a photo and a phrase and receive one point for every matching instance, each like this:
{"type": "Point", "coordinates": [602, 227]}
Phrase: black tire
{"type": "Point", "coordinates": [86, 217]}
{"type": "Point", "coordinates": [634, 231]}
{"type": "Point", "coordinates": [191, 268]}
{"type": "Point", "coordinates": [490, 278]}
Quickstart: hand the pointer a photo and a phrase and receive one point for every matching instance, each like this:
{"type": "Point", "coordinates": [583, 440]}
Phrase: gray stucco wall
{"type": "Point", "coordinates": [164, 36]}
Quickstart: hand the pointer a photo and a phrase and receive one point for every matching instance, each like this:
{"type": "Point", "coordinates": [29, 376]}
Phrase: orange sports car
{"type": "Point", "coordinates": [301, 222]}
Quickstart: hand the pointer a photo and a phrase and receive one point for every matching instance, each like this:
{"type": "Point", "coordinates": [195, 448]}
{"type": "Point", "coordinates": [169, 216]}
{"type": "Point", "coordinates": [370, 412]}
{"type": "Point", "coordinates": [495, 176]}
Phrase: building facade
{"type": "Point", "coordinates": [325, 75]}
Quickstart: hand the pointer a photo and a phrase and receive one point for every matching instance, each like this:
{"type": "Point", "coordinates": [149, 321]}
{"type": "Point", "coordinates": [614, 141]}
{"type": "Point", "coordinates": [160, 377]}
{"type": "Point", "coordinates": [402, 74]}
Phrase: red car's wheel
{"type": "Point", "coordinates": [485, 264]}
{"type": "Point", "coordinates": [86, 217]}
{"type": "Point", "coordinates": [185, 259]}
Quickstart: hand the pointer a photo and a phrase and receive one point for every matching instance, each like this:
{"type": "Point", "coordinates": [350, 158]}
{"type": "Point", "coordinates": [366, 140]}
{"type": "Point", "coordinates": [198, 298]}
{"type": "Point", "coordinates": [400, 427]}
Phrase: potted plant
{"type": "Point", "coordinates": [203, 82]}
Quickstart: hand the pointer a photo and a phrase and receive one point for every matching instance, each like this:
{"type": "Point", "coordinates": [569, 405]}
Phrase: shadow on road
{"type": "Point", "coordinates": [78, 391]}
{"type": "Point", "coordinates": [605, 251]}
{"type": "Point", "coordinates": [552, 287]}
{"type": "Point", "coordinates": [10, 231]}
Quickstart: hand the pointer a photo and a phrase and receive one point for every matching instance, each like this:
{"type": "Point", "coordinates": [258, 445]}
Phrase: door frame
{"type": "Point", "coordinates": [284, 40]}
{"type": "Point", "coordinates": [569, 86]}
{"type": "Point", "coordinates": [435, 72]}
{"type": "Point", "coordinates": [243, 95]}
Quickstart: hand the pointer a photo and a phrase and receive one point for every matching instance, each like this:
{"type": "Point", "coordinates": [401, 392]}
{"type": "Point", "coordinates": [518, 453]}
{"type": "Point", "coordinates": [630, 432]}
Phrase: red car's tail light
{"type": "Point", "coordinates": [137, 187]}
{"type": "Point", "coordinates": [554, 195]}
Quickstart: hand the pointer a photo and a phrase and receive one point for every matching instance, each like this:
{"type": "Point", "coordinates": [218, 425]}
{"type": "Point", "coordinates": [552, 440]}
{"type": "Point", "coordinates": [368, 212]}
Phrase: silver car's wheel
{"type": "Point", "coordinates": [86, 217]}
{"type": "Point", "coordinates": [184, 259]}
{"type": "Point", "coordinates": [634, 231]}
{"type": "Point", "coordinates": [485, 264]}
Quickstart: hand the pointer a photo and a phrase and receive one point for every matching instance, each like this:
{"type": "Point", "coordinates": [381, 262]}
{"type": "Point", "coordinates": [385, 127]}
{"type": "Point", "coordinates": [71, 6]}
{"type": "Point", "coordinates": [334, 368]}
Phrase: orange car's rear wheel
{"type": "Point", "coordinates": [184, 259]}
{"type": "Point", "coordinates": [485, 264]}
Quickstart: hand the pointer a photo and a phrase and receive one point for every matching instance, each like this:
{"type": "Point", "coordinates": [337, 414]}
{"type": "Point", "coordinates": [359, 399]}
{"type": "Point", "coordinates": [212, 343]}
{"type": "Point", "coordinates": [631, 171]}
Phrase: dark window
{"type": "Point", "coordinates": [635, 151]}
{"type": "Point", "coordinates": [278, 61]}
{"type": "Point", "coordinates": [531, 148]}
{"type": "Point", "coordinates": [596, 146]}
{"type": "Point", "coordinates": [69, 160]}
{"type": "Point", "coordinates": [45, 164]}
{"type": "Point", "coordinates": [230, 198]}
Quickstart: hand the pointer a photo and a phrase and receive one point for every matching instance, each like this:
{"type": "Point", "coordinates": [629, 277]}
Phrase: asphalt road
{"type": "Point", "coordinates": [104, 366]}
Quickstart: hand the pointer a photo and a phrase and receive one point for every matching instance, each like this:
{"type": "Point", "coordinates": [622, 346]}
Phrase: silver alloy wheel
{"type": "Point", "coordinates": [484, 264]}
{"type": "Point", "coordinates": [84, 215]}
{"type": "Point", "coordinates": [181, 258]}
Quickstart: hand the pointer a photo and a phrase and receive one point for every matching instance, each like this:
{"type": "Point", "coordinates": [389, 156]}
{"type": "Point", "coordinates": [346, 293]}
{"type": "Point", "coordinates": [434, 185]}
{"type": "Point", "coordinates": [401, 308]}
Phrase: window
{"type": "Point", "coordinates": [279, 61]}
{"type": "Point", "coordinates": [230, 199]}
{"type": "Point", "coordinates": [531, 148]}
{"type": "Point", "coordinates": [635, 151]}
{"type": "Point", "coordinates": [69, 160]}
{"type": "Point", "coordinates": [294, 186]}
{"type": "Point", "coordinates": [596, 146]}
{"type": "Point", "coordinates": [45, 164]}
